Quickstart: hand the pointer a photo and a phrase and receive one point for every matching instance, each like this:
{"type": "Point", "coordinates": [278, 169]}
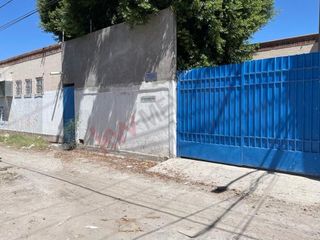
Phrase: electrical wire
{"type": "Point", "coordinates": [23, 17]}
{"type": "Point", "coordinates": [19, 19]}
{"type": "Point", "coordinates": [6, 3]}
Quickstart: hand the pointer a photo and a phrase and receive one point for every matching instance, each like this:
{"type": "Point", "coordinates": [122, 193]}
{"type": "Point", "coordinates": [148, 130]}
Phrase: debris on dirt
{"type": "Point", "coordinates": [117, 162]}
{"type": "Point", "coordinates": [132, 164]}
{"type": "Point", "coordinates": [3, 169]}
{"type": "Point", "coordinates": [7, 177]}
{"type": "Point", "coordinates": [128, 225]}
{"type": "Point", "coordinates": [152, 215]}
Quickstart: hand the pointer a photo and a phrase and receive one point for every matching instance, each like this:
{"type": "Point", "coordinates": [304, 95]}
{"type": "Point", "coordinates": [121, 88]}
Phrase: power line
{"type": "Point", "coordinates": [24, 16]}
{"type": "Point", "coordinates": [6, 3]}
{"type": "Point", "coordinates": [19, 19]}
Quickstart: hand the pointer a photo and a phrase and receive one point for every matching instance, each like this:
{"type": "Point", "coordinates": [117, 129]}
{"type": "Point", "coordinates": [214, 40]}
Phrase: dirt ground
{"type": "Point", "coordinates": [78, 195]}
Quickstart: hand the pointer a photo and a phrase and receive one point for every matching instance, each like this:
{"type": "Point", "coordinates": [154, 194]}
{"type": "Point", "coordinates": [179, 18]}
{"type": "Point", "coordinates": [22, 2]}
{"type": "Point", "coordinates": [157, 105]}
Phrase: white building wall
{"type": "Point", "coordinates": [136, 118]}
{"type": "Point", "coordinates": [37, 114]}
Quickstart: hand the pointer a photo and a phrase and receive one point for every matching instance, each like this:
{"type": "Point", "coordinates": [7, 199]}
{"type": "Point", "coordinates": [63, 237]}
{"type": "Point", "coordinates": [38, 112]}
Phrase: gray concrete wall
{"type": "Point", "coordinates": [116, 107]}
{"type": "Point", "coordinates": [121, 55]}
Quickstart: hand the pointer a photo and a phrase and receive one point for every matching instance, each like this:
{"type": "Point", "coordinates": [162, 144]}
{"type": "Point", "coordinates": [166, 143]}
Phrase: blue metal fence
{"type": "Point", "coordinates": [263, 114]}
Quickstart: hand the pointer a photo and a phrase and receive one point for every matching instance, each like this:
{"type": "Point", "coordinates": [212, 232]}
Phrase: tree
{"type": "Point", "coordinates": [209, 32]}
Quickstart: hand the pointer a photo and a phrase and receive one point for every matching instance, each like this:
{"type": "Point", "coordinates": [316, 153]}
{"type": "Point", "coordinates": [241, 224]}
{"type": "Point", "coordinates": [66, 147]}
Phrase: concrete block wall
{"type": "Point", "coordinates": [125, 86]}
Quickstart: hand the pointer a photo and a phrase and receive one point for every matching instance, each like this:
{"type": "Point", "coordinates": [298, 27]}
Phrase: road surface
{"type": "Point", "coordinates": [73, 195]}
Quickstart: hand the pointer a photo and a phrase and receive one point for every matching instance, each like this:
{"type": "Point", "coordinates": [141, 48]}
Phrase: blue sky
{"type": "Point", "coordinates": [24, 36]}
{"type": "Point", "coordinates": [294, 17]}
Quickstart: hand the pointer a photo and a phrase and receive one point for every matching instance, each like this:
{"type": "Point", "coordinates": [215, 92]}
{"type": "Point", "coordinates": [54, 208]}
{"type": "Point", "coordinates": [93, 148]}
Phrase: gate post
{"type": "Point", "coordinates": [179, 117]}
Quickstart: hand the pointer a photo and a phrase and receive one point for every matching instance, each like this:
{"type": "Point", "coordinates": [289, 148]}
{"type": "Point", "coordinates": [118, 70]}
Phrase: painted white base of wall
{"type": "Point", "coordinates": [38, 115]}
{"type": "Point", "coordinates": [140, 119]}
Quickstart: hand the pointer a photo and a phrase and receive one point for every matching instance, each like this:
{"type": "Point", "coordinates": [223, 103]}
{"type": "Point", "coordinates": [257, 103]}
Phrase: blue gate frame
{"type": "Point", "coordinates": [262, 114]}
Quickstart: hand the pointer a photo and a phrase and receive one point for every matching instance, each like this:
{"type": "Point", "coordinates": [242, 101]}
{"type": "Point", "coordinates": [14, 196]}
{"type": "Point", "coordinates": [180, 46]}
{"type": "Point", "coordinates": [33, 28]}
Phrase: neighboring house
{"type": "Point", "coordinates": [32, 101]}
{"type": "Point", "coordinates": [287, 47]}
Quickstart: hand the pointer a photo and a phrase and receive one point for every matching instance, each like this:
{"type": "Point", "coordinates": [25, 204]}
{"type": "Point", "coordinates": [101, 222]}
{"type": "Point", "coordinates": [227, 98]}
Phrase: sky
{"type": "Point", "coordinates": [293, 18]}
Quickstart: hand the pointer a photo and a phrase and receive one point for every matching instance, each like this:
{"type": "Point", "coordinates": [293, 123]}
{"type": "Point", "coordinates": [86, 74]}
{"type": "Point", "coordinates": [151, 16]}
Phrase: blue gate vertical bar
{"type": "Point", "coordinates": [263, 114]}
{"type": "Point", "coordinates": [242, 110]}
{"type": "Point", "coordinates": [179, 115]}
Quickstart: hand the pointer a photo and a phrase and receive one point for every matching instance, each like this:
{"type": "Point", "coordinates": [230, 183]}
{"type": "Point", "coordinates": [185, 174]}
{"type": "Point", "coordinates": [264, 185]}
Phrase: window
{"type": "Point", "coordinates": [1, 114]}
{"type": "Point", "coordinates": [28, 88]}
{"type": "Point", "coordinates": [39, 86]}
{"type": "Point", "coordinates": [18, 88]}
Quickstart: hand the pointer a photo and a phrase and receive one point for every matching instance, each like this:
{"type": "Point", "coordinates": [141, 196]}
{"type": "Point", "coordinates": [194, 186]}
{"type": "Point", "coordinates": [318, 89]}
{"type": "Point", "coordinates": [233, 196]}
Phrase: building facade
{"type": "Point", "coordinates": [34, 104]}
{"type": "Point", "coordinates": [288, 47]}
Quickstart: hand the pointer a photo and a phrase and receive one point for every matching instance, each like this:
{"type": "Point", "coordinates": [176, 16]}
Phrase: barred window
{"type": "Point", "coordinates": [39, 86]}
{"type": "Point", "coordinates": [28, 88]}
{"type": "Point", "coordinates": [18, 88]}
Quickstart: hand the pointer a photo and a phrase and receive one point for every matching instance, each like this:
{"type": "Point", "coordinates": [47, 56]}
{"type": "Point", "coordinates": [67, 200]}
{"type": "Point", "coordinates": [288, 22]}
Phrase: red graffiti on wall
{"type": "Point", "coordinates": [112, 139]}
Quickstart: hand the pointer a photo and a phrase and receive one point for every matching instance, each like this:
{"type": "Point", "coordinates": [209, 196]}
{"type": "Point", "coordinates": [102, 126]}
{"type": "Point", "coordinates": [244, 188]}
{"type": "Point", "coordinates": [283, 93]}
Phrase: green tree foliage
{"type": "Point", "coordinates": [210, 32]}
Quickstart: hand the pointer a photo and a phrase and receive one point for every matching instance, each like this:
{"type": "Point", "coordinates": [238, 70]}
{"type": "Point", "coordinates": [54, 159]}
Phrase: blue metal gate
{"type": "Point", "coordinates": [68, 115]}
{"type": "Point", "coordinates": [263, 114]}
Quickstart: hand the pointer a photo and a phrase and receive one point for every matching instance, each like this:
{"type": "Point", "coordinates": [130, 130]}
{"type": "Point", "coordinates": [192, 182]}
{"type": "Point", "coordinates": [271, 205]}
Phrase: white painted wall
{"type": "Point", "coordinates": [38, 115]}
{"type": "Point", "coordinates": [139, 118]}
{"type": "Point", "coordinates": [5, 74]}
